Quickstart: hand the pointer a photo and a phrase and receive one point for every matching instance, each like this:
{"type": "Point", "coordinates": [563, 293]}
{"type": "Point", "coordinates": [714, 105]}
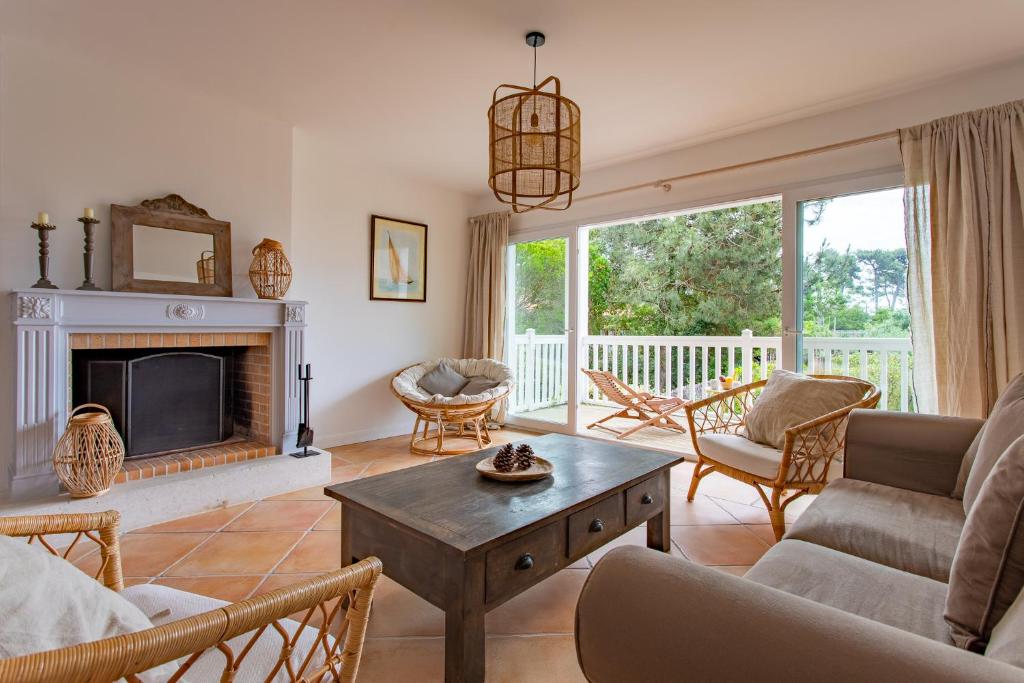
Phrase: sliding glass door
{"type": "Point", "coordinates": [851, 299]}
{"type": "Point", "coordinates": [540, 343]}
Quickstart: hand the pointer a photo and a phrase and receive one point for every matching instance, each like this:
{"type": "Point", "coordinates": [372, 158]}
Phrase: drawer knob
{"type": "Point", "coordinates": [646, 499]}
{"type": "Point", "coordinates": [596, 527]}
{"type": "Point", "coordinates": [525, 562]}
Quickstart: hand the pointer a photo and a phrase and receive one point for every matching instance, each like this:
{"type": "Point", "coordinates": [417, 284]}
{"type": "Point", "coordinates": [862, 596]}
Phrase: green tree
{"type": "Point", "coordinates": [709, 273]}
{"type": "Point", "coordinates": [887, 274]}
{"type": "Point", "coordinates": [540, 286]}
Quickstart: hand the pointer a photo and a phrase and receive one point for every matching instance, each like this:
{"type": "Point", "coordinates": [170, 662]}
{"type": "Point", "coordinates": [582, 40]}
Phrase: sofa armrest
{"type": "Point", "coordinates": [916, 452]}
{"type": "Point", "coordinates": [644, 616]}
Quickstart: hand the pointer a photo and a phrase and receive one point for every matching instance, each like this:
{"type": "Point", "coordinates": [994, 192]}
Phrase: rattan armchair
{"type": "Point", "coordinates": [805, 462]}
{"type": "Point", "coordinates": [339, 625]}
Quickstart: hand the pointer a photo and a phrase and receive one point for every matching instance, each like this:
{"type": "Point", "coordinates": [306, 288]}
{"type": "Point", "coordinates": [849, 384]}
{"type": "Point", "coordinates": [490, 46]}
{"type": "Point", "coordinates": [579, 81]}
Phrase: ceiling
{"type": "Point", "coordinates": [407, 83]}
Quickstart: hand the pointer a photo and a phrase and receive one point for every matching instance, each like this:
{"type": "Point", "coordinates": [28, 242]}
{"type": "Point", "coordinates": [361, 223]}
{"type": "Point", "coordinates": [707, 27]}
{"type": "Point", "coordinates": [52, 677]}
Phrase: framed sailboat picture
{"type": "Point", "coordinates": [398, 260]}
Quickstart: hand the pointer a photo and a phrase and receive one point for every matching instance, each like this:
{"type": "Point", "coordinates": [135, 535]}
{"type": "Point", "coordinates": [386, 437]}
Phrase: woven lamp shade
{"type": "Point", "coordinates": [270, 272]}
{"type": "Point", "coordinates": [534, 146]}
{"type": "Point", "coordinates": [90, 452]}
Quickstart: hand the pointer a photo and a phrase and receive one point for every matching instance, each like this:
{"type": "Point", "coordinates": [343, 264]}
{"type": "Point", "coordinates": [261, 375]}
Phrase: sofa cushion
{"type": "Point", "coordinates": [163, 605]}
{"type": "Point", "coordinates": [988, 569]}
{"type": "Point", "coordinates": [789, 399]}
{"type": "Point", "coordinates": [1005, 423]}
{"type": "Point", "coordinates": [1007, 641]}
{"type": "Point", "coordinates": [443, 380]}
{"type": "Point", "coordinates": [906, 530]}
{"type": "Point", "coordinates": [966, 464]}
{"type": "Point", "coordinates": [48, 603]}
{"type": "Point", "coordinates": [855, 585]}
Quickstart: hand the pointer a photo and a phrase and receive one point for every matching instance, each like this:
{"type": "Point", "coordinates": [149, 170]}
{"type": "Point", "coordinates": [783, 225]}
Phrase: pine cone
{"type": "Point", "coordinates": [505, 459]}
{"type": "Point", "coordinates": [524, 457]}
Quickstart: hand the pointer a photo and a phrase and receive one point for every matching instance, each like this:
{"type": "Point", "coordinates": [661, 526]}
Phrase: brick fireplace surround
{"type": "Point", "coordinates": [51, 325]}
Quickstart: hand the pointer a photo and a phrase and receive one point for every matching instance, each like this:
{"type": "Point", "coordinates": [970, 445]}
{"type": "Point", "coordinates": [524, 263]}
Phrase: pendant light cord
{"type": "Point", "coordinates": [534, 67]}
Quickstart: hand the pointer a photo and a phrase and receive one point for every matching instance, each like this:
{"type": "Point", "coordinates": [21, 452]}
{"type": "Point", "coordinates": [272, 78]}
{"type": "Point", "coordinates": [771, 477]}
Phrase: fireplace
{"type": "Point", "coordinates": [161, 401]}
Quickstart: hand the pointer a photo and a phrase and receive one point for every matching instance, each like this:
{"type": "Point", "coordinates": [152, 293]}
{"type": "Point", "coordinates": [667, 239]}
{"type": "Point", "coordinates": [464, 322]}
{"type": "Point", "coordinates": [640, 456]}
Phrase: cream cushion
{"type": "Point", "coordinates": [406, 383]}
{"type": "Point", "coordinates": [741, 453]}
{"type": "Point", "coordinates": [789, 399]}
{"type": "Point", "coordinates": [47, 603]}
{"type": "Point", "coordinates": [164, 604]}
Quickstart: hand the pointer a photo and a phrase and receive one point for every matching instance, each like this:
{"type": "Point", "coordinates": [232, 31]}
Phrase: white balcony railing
{"type": "Point", "coordinates": [682, 366]}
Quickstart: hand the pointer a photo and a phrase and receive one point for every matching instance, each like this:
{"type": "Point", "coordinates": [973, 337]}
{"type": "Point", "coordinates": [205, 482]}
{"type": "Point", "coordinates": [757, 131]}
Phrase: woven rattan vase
{"type": "Point", "coordinates": [270, 272]}
{"type": "Point", "coordinates": [89, 454]}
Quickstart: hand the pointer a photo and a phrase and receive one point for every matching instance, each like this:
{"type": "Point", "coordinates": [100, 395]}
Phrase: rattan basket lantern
{"type": "Point", "coordinates": [534, 144]}
{"type": "Point", "coordinates": [90, 452]}
{"type": "Point", "coordinates": [270, 272]}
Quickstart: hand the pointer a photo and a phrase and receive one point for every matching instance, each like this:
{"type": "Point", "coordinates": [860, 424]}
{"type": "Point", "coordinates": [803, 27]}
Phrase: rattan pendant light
{"type": "Point", "coordinates": [534, 143]}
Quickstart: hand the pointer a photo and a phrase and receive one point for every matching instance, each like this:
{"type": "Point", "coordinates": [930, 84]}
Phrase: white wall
{"type": "Point", "coordinates": [355, 344]}
{"type": "Point", "coordinates": [970, 91]}
{"type": "Point", "coordinates": [75, 134]}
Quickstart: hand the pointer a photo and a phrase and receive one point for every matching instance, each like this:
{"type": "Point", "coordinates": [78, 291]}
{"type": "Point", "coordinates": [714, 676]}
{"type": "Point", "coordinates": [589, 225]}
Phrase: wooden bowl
{"type": "Point", "coordinates": [540, 469]}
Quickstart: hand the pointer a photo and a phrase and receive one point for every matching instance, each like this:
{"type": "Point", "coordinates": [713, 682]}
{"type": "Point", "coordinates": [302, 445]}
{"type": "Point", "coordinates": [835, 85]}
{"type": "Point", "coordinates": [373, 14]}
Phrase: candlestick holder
{"type": "Point", "coordinates": [87, 257]}
{"type": "Point", "coordinates": [44, 255]}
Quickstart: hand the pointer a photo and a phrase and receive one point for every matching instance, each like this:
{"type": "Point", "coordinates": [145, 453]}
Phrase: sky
{"type": "Point", "coordinates": [871, 220]}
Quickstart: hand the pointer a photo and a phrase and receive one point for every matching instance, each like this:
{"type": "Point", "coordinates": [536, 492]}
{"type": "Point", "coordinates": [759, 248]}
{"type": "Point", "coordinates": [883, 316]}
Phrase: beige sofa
{"type": "Point", "coordinates": [856, 590]}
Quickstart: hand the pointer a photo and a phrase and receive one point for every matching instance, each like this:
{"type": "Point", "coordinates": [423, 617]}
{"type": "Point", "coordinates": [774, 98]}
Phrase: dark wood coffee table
{"type": "Point", "coordinates": [467, 544]}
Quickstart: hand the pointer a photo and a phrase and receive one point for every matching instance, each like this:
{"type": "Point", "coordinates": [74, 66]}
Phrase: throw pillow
{"type": "Point", "coordinates": [789, 399]}
{"type": "Point", "coordinates": [443, 380]}
{"type": "Point", "coordinates": [478, 385]}
{"type": "Point", "coordinates": [1005, 424]}
{"type": "Point", "coordinates": [47, 603]}
{"type": "Point", "coordinates": [987, 572]}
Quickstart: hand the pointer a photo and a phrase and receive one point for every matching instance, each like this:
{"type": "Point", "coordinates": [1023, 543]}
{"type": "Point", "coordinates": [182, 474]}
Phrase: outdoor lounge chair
{"type": "Point", "coordinates": [650, 410]}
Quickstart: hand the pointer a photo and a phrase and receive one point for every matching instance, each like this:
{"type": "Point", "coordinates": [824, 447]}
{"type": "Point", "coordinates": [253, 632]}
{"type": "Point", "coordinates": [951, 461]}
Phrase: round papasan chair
{"type": "Point", "coordinates": [461, 416]}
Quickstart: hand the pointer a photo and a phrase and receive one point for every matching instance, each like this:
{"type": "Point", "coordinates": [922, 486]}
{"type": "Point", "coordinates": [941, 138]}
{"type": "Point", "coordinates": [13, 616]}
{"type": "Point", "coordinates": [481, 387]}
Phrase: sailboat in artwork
{"type": "Point", "coordinates": [399, 276]}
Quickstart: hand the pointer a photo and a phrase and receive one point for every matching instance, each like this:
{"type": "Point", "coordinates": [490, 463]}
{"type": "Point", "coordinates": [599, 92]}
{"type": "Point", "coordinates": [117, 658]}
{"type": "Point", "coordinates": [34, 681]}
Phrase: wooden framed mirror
{"type": "Point", "coordinates": [169, 246]}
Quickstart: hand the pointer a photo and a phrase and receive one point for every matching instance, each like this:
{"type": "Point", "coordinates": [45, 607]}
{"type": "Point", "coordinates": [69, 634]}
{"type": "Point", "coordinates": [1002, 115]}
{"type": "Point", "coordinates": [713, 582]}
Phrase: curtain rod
{"type": "Point", "coordinates": [664, 183]}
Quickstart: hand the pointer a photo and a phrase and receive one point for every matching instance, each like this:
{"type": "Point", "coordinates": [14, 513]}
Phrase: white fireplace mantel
{"type": "Point", "coordinates": [44, 319]}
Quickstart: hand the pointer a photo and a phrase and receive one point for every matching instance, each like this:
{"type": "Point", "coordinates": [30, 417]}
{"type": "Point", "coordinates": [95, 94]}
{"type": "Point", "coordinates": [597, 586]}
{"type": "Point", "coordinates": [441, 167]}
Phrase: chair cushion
{"type": "Point", "coordinates": [1004, 425]}
{"type": "Point", "coordinates": [1007, 641]}
{"type": "Point", "coordinates": [988, 568]}
{"type": "Point", "coordinates": [443, 380]}
{"type": "Point", "coordinates": [741, 453]}
{"type": "Point", "coordinates": [907, 601]}
{"type": "Point", "coordinates": [47, 603]}
{"type": "Point", "coordinates": [789, 399]}
{"type": "Point", "coordinates": [164, 605]}
{"type": "Point", "coordinates": [406, 383]}
{"type": "Point", "coordinates": [906, 530]}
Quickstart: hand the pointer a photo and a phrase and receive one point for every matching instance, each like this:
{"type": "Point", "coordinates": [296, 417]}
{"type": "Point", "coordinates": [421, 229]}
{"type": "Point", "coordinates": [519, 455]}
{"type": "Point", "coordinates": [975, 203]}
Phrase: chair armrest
{"type": "Point", "coordinates": [909, 451]}
{"type": "Point", "coordinates": [644, 616]}
{"type": "Point", "coordinates": [100, 528]}
{"type": "Point", "coordinates": [183, 641]}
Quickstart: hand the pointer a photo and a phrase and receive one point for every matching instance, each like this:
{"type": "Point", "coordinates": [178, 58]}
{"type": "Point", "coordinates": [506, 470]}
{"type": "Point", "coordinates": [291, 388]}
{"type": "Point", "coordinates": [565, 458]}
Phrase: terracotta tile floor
{"type": "Point", "coordinates": [247, 549]}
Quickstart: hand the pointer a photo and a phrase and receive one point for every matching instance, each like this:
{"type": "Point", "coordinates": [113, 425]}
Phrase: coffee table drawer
{"type": "Point", "coordinates": [644, 500]}
{"type": "Point", "coordinates": [522, 562]}
{"type": "Point", "coordinates": [594, 526]}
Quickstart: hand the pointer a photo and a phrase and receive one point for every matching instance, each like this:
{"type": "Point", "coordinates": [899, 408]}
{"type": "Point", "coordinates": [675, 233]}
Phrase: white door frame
{"type": "Point", "coordinates": [792, 249]}
{"type": "Point", "coordinates": [570, 235]}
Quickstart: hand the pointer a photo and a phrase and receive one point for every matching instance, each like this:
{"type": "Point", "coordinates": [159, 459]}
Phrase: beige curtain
{"type": "Point", "coordinates": [964, 191]}
{"type": "Point", "coordinates": [484, 331]}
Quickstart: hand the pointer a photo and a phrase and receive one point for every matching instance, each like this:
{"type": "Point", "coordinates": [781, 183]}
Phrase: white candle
{"type": "Point", "coordinates": [43, 218]}
{"type": "Point", "coordinates": [87, 213]}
